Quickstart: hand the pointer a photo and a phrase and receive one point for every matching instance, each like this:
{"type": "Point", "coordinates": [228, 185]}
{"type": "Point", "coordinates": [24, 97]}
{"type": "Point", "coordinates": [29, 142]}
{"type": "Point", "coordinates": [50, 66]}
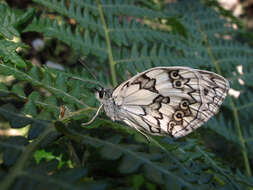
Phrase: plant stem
{"type": "Point", "coordinates": [241, 139]}
{"type": "Point", "coordinates": [235, 112]}
{"type": "Point", "coordinates": [108, 43]}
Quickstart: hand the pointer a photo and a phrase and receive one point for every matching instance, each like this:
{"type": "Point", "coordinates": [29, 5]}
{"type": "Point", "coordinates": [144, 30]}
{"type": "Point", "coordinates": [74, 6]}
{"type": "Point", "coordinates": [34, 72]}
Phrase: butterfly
{"type": "Point", "coordinates": [165, 101]}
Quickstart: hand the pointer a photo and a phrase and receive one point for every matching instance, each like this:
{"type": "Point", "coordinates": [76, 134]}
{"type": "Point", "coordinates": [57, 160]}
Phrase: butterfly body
{"type": "Point", "coordinates": [166, 100]}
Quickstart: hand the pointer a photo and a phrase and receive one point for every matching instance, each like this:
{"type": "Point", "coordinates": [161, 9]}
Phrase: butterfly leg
{"type": "Point", "coordinates": [130, 121]}
{"type": "Point", "coordinates": [145, 135]}
{"type": "Point", "coordinates": [94, 117]}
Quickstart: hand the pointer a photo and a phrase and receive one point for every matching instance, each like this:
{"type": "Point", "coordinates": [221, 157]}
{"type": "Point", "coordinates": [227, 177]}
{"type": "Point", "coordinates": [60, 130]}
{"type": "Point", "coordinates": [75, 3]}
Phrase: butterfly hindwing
{"type": "Point", "coordinates": [170, 100]}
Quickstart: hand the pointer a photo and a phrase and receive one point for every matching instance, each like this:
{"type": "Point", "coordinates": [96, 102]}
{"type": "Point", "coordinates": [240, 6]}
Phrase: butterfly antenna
{"type": "Point", "coordinates": [87, 69]}
{"type": "Point", "coordinates": [88, 80]}
{"type": "Point", "coordinates": [94, 117]}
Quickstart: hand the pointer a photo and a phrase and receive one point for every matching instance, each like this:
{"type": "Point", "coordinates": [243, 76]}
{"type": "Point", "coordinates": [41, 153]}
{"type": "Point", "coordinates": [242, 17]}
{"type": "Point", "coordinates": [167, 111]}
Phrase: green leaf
{"type": "Point", "coordinates": [25, 19]}
{"type": "Point", "coordinates": [72, 175]}
{"type": "Point", "coordinates": [60, 82]}
{"type": "Point", "coordinates": [109, 152]}
{"type": "Point", "coordinates": [153, 175]}
{"type": "Point", "coordinates": [17, 120]}
{"type": "Point", "coordinates": [30, 106]}
{"type": "Point", "coordinates": [119, 39]}
{"type": "Point", "coordinates": [14, 146]}
{"type": "Point", "coordinates": [8, 19]}
{"type": "Point", "coordinates": [18, 89]}
{"type": "Point", "coordinates": [8, 53]}
{"type": "Point", "coordinates": [42, 154]}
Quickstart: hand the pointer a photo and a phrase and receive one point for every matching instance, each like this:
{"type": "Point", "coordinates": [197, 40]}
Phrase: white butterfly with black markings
{"type": "Point", "coordinates": [165, 100]}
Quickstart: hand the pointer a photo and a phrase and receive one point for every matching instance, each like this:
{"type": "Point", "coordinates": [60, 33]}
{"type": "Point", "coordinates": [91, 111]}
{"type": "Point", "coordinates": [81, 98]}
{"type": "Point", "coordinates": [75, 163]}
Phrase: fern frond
{"type": "Point", "coordinates": [84, 42]}
{"type": "Point", "coordinates": [132, 36]}
{"type": "Point", "coordinates": [13, 21]}
{"type": "Point", "coordinates": [62, 88]}
{"type": "Point", "coordinates": [76, 11]}
{"type": "Point", "coordinates": [133, 158]}
{"type": "Point", "coordinates": [8, 53]}
{"type": "Point", "coordinates": [8, 20]}
{"type": "Point", "coordinates": [121, 7]}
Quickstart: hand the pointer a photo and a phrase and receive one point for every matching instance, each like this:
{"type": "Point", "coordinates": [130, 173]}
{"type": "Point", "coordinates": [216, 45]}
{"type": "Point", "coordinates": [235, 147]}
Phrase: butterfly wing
{"type": "Point", "coordinates": [170, 100]}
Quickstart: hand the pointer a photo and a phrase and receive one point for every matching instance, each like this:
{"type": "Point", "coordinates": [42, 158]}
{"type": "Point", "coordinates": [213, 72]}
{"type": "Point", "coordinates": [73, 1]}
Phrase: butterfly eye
{"type": "Point", "coordinates": [178, 115]}
{"type": "Point", "coordinates": [101, 93]}
{"type": "Point", "coordinates": [174, 75]}
{"type": "Point", "coordinates": [184, 104]}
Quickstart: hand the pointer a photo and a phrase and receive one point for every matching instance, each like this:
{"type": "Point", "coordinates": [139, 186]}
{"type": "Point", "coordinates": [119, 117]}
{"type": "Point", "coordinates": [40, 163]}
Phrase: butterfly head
{"type": "Point", "coordinates": [102, 94]}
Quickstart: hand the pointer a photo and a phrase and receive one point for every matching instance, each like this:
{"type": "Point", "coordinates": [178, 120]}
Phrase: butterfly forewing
{"type": "Point", "coordinates": [170, 100]}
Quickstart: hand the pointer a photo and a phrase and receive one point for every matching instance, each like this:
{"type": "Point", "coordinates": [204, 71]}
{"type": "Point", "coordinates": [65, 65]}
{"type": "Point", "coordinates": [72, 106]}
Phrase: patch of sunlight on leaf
{"type": "Point", "coordinates": [16, 39]}
{"type": "Point", "coordinates": [7, 79]}
{"type": "Point", "coordinates": [40, 154]}
{"type": "Point", "coordinates": [5, 130]}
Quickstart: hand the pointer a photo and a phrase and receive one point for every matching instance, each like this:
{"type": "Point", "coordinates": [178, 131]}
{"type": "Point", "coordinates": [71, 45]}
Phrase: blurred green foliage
{"type": "Point", "coordinates": [117, 39]}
